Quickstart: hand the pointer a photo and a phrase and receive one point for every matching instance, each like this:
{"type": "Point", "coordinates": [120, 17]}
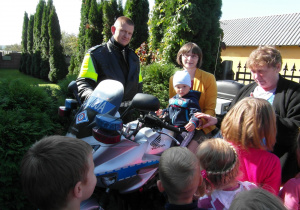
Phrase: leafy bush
{"type": "Point", "coordinates": [27, 114]}
{"type": "Point", "coordinates": [156, 81]}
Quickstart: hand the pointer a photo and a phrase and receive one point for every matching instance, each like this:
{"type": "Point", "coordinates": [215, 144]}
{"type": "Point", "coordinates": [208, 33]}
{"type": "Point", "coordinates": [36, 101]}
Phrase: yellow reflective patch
{"type": "Point", "coordinates": [140, 76]}
{"type": "Point", "coordinates": [87, 68]}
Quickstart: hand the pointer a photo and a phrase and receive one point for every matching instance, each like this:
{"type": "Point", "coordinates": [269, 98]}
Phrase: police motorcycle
{"type": "Point", "coordinates": [126, 156]}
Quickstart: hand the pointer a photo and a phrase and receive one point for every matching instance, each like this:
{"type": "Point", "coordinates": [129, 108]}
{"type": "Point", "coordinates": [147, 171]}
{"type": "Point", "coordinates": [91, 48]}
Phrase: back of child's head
{"type": "Point", "coordinates": [219, 164]}
{"type": "Point", "coordinates": [51, 168]}
{"type": "Point", "coordinates": [255, 199]}
{"type": "Point", "coordinates": [249, 122]}
{"type": "Point", "coordinates": [179, 172]}
{"type": "Point", "coordinates": [182, 78]}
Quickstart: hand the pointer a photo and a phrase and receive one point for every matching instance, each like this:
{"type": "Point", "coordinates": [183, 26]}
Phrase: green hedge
{"type": "Point", "coordinates": [27, 114]}
{"type": "Point", "coordinates": [156, 81]}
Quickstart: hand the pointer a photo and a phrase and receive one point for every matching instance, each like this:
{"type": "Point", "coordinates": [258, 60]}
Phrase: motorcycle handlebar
{"type": "Point", "coordinates": [153, 121]}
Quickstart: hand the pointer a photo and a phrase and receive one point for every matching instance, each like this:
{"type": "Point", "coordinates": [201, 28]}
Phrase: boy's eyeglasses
{"type": "Point", "coordinates": [191, 56]}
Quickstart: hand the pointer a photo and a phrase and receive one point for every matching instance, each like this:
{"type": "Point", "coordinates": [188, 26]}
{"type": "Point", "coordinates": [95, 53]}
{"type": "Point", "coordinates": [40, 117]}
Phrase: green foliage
{"type": "Point", "coordinates": [36, 63]}
{"type": "Point", "coordinates": [62, 92]}
{"type": "Point", "coordinates": [156, 81]}
{"type": "Point", "coordinates": [58, 68]}
{"type": "Point", "coordinates": [27, 114]}
{"type": "Point", "coordinates": [94, 27]}
{"type": "Point", "coordinates": [30, 34]}
{"type": "Point", "coordinates": [69, 43]}
{"type": "Point", "coordinates": [44, 63]}
{"type": "Point", "coordinates": [182, 21]}
{"type": "Point", "coordinates": [37, 38]}
{"type": "Point", "coordinates": [156, 28]}
{"type": "Point", "coordinates": [24, 33]}
{"type": "Point", "coordinates": [110, 14]}
{"type": "Point", "coordinates": [23, 62]}
{"type": "Point", "coordinates": [28, 64]}
{"type": "Point", "coordinates": [138, 11]}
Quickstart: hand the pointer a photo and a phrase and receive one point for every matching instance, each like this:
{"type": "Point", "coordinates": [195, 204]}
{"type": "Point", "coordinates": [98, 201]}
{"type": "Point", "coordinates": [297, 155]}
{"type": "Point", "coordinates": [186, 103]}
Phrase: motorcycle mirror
{"type": "Point", "coordinates": [145, 102]}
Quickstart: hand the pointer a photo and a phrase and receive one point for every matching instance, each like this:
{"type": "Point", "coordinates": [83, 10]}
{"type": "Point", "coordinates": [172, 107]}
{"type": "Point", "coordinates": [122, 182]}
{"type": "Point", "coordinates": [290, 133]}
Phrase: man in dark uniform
{"type": "Point", "coordinates": [112, 60]}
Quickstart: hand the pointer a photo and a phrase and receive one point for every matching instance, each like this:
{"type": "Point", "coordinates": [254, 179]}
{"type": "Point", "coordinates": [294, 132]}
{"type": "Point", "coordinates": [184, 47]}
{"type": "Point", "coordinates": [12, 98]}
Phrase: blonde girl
{"type": "Point", "coordinates": [251, 126]}
{"type": "Point", "coordinates": [219, 165]}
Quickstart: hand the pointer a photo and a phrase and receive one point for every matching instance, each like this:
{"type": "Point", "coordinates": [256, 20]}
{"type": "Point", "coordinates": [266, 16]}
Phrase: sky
{"type": "Point", "coordinates": [68, 12]}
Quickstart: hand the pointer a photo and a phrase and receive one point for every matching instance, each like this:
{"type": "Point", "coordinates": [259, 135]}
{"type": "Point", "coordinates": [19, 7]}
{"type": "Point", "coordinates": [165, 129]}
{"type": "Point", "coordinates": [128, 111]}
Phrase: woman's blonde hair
{"type": "Point", "coordinates": [219, 163]}
{"type": "Point", "coordinates": [264, 55]}
{"type": "Point", "coordinates": [249, 122]}
{"type": "Point", "coordinates": [190, 47]}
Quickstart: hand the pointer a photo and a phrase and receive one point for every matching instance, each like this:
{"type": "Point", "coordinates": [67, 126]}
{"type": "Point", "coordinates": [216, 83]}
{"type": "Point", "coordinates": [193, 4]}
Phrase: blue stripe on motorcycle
{"type": "Point", "coordinates": [130, 171]}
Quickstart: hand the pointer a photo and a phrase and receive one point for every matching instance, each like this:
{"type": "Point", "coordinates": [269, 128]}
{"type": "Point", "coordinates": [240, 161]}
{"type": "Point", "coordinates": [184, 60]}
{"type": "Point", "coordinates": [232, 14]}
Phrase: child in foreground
{"type": "Point", "coordinates": [219, 165]}
{"type": "Point", "coordinates": [250, 125]}
{"type": "Point", "coordinates": [255, 199]}
{"type": "Point", "coordinates": [179, 175]}
{"type": "Point", "coordinates": [57, 172]}
{"type": "Point", "coordinates": [290, 193]}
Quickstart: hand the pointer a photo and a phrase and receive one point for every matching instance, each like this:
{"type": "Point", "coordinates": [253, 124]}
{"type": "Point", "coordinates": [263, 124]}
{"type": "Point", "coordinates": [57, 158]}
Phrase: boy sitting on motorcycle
{"type": "Point", "coordinates": [57, 172]}
{"type": "Point", "coordinates": [183, 105]}
{"type": "Point", "coordinates": [179, 173]}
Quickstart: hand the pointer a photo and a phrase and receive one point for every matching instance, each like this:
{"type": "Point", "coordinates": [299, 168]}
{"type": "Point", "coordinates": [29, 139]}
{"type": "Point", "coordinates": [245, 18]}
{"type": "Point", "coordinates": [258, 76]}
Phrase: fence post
{"type": "Point", "coordinates": [238, 71]}
{"type": "Point", "coordinates": [285, 69]}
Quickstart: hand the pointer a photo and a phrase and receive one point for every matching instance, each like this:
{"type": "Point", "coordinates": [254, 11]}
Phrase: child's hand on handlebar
{"type": "Point", "coordinates": [189, 127]}
{"type": "Point", "coordinates": [158, 112]}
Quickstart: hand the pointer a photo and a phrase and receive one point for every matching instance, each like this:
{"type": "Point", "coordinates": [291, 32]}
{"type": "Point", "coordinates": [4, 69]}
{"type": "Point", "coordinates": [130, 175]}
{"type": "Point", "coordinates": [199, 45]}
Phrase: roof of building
{"type": "Point", "coordinates": [277, 30]}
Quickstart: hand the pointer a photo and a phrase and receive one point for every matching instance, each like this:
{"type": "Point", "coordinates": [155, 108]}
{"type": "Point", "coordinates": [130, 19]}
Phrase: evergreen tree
{"type": "Point", "coordinates": [37, 39]}
{"type": "Point", "coordinates": [29, 44]}
{"type": "Point", "coordinates": [156, 26]}
{"type": "Point", "coordinates": [58, 68]}
{"type": "Point", "coordinates": [138, 11]}
{"type": "Point", "coordinates": [110, 14]}
{"type": "Point", "coordinates": [24, 44]}
{"type": "Point", "coordinates": [93, 35]}
{"type": "Point", "coordinates": [24, 33]}
{"type": "Point", "coordinates": [120, 9]}
{"type": "Point", "coordinates": [44, 65]}
{"type": "Point", "coordinates": [192, 21]}
{"type": "Point", "coordinates": [75, 62]}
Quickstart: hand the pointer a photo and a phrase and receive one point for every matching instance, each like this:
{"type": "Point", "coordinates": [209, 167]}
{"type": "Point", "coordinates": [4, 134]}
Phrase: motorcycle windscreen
{"type": "Point", "coordinates": [105, 99]}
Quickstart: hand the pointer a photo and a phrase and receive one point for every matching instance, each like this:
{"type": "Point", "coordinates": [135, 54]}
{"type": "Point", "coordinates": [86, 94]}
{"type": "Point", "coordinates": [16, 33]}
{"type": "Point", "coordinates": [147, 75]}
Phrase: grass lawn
{"type": "Point", "coordinates": [12, 74]}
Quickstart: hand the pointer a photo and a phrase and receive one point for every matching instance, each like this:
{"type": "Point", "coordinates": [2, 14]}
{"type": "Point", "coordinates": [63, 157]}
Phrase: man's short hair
{"type": "Point", "coordinates": [51, 168]}
{"type": "Point", "coordinates": [125, 19]}
{"type": "Point", "coordinates": [177, 168]}
{"type": "Point", "coordinates": [264, 56]}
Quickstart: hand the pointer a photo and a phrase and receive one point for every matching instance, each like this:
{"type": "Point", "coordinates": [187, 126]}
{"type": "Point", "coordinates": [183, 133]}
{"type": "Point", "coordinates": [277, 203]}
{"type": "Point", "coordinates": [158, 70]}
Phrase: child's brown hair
{"type": "Point", "coordinates": [248, 122]}
{"type": "Point", "coordinates": [219, 164]}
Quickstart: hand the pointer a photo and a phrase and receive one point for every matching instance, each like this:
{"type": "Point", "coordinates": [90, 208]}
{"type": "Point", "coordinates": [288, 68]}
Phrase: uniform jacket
{"type": "Point", "coordinates": [107, 62]}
